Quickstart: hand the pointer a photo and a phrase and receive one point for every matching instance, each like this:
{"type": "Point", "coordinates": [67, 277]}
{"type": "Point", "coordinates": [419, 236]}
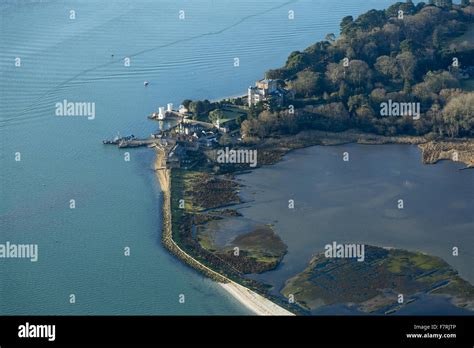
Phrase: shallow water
{"type": "Point", "coordinates": [357, 202]}
{"type": "Point", "coordinates": [118, 202]}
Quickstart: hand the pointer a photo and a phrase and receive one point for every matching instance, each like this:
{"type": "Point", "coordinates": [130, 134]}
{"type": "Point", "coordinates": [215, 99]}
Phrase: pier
{"type": "Point", "coordinates": [131, 141]}
{"type": "Point", "coordinates": [137, 143]}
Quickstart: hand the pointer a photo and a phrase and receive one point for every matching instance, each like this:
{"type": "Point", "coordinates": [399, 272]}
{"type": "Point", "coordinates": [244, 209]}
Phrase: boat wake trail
{"type": "Point", "coordinates": [22, 115]}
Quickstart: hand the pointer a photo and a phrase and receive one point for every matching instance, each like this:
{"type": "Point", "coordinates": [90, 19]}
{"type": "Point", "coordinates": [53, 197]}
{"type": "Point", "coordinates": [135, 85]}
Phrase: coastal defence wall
{"type": "Point", "coordinates": [164, 177]}
{"type": "Point", "coordinates": [250, 299]}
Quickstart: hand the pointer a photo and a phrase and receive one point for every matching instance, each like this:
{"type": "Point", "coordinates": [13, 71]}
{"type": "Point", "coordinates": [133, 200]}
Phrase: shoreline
{"type": "Point", "coordinates": [249, 298]}
{"type": "Point", "coordinates": [210, 181]}
{"type": "Point", "coordinates": [252, 300]}
{"type": "Point", "coordinates": [457, 150]}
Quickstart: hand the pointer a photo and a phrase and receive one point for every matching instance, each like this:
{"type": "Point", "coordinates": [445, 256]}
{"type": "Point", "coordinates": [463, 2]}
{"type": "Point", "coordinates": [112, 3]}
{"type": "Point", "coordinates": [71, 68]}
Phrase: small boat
{"type": "Point", "coordinates": [145, 83]}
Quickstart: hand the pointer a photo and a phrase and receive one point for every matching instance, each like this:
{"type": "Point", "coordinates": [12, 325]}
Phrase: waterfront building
{"type": "Point", "coordinates": [182, 110]}
{"type": "Point", "coordinates": [266, 90]}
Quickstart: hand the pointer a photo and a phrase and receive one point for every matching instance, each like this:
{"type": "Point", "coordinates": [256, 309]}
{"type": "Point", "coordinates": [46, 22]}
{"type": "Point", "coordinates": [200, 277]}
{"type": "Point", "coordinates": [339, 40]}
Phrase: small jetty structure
{"type": "Point", "coordinates": [117, 139]}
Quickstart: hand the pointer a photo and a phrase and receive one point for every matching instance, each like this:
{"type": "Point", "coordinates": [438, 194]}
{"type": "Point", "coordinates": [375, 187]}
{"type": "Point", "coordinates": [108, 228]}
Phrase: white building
{"type": "Point", "coordinates": [182, 110]}
{"type": "Point", "coordinates": [220, 128]}
{"type": "Point", "coordinates": [262, 91]}
{"type": "Point", "coordinates": [161, 113]}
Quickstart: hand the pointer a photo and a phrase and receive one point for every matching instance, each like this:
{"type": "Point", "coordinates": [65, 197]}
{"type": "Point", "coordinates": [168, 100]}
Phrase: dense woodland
{"type": "Point", "coordinates": [407, 53]}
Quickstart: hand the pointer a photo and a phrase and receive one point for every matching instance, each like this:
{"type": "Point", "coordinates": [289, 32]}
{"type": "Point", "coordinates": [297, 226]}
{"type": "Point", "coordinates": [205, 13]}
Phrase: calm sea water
{"type": "Point", "coordinates": [357, 202]}
{"type": "Point", "coordinates": [117, 202]}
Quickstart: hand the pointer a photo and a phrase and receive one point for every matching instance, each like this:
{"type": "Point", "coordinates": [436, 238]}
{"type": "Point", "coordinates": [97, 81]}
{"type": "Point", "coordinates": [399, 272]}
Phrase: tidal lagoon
{"type": "Point", "coordinates": [49, 160]}
{"type": "Point", "coordinates": [356, 201]}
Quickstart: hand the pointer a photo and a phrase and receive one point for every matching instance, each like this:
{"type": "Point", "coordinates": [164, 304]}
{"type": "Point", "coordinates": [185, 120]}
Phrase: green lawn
{"type": "Point", "coordinates": [231, 113]}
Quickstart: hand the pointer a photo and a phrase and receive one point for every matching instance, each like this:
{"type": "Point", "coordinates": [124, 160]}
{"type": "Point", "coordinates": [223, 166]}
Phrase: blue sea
{"type": "Point", "coordinates": [46, 57]}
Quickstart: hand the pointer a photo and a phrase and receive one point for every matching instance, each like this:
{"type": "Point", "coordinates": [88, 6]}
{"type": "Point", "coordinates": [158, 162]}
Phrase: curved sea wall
{"type": "Point", "coordinates": [164, 177]}
{"type": "Point", "coordinates": [250, 299]}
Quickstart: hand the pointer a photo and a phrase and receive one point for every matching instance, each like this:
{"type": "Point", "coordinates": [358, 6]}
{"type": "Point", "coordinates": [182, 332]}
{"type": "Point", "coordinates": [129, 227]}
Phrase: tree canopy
{"type": "Point", "coordinates": [404, 53]}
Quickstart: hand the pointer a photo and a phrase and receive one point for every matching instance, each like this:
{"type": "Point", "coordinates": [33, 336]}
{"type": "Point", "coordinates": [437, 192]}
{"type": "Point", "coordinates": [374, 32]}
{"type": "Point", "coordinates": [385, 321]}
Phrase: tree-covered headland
{"type": "Point", "coordinates": [419, 54]}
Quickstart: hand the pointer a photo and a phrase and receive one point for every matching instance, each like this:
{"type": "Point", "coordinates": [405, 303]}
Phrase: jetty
{"type": "Point", "coordinates": [132, 141]}
{"type": "Point", "coordinates": [137, 143]}
{"type": "Point", "coordinates": [117, 139]}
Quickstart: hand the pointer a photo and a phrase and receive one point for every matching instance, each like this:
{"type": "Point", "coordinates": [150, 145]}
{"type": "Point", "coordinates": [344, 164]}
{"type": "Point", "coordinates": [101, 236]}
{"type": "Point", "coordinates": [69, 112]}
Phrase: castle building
{"type": "Point", "coordinates": [265, 90]}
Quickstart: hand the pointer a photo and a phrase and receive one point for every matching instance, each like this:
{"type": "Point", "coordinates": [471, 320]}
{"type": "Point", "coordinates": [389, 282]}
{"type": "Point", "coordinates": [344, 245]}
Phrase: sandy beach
{"type": "Point", "coordinates": [253, 301]}
{"type": "Point", "coordinates": [250, 299]}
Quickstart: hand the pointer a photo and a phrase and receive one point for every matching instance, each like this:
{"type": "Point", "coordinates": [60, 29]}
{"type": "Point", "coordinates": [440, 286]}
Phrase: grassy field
{"type": "Point", "coordinates": [231, 113]}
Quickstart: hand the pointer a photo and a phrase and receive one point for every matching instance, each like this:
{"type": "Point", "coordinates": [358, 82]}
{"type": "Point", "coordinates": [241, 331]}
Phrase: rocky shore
{"type": "Point", "coordinates": [462, 151]}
